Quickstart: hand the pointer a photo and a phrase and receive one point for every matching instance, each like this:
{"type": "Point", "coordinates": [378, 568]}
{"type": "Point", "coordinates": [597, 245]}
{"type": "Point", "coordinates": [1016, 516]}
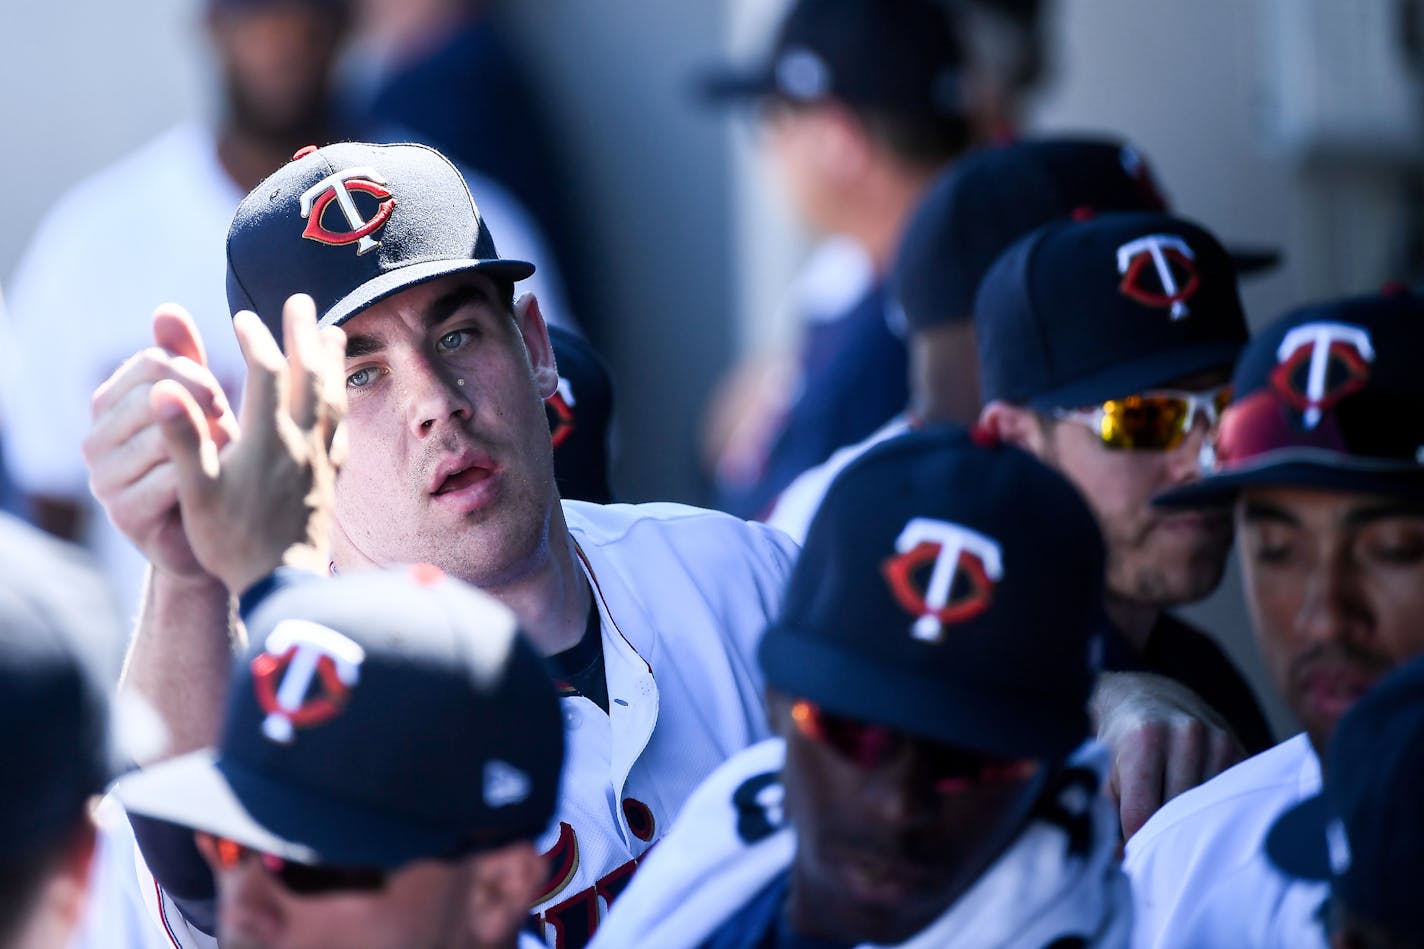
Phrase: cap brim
{"type": "Point", "coordinates": [1137, 375]}
{"type": "Point", "coordinates": [1296, 841]}
{"type": "Point", "coordinates": [1253, 261]}
{"type": "Point", "coordinates": [1301, 468]}
{"type": "Point", "coordinates": [201, 791]}
{"type": "Point", "coordinates": [987, 720]}
{"type": "Point", "coordinates": [402, 278]}
{"type": "Point", "coordinates": [728, 84]}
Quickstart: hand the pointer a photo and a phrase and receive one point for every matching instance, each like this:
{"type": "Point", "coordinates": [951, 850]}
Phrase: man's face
{"type": "Point", "coordinates": [1335, 583]}
{"type": "Point", "coordinates": [882, 851]}
{"type": "Point", "coordinates": [1156, 557]}
{"type": "Point", "coordinates": [423, 905]}
{"type": "Point", "coordinates": [450, 460]}
{"type": "Point", "coordinates": [799, 140]}
{"type": "Point", "coordinates": [276, 61]}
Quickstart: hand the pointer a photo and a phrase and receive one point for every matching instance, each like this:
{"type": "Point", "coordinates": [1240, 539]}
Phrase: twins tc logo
{"type": "Point", "coordinates": [338, 187]}
{"type": "Point", "coordinates": [1318, 364]}
{"type": "Point", "coordinates": [1173, 264]}
{"type": "Point", "coordinates": [304, 677]}
{"type": "Point", "coordinates": [561, 412]}
{"type": "Point", "coordinates": [965, 565]}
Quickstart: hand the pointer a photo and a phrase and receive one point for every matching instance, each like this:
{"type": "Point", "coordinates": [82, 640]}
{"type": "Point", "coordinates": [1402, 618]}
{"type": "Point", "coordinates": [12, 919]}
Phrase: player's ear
{"type": "Point", "coordinates": [535, 333]}
{"type": "Point", "coordinates": [1016, 425]}
{"type": "Point", "coordinates": [502, 886]}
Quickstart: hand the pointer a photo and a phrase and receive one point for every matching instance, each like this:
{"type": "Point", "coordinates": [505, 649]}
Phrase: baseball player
{"type": "Point", "coordinates": [58, 661]}
{"type": "Point", "coordinates": [1105, 348]}
{"type": "Point", "coordinates": [1363, 833]}
{"type": "Point", "coordinates": [932, 783]}
{"type": "Point", "coordinates": [390, 752]}
{"type": "Point", "coordinates": [647, 613]}
{"type": "Point", "coordinates": [1319, 457]}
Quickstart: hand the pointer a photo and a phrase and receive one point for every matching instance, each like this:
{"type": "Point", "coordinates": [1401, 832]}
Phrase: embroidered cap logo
{"type": "Point", "coordinates": [338, 187]}
{"type": "Point", "coordinates": [1336, 359]}
{"type": "Point", "coordinates": [956, 554]}
{"type": "Point", "coordinates": [561, 406]}
{"type": "Point", "coordinates": [1172, 262]}
{"type": "Point", "coordinates": [300, 655]}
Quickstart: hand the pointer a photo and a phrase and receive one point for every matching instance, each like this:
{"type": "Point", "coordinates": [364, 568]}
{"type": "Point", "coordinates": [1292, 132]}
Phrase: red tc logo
{"type": "Point", "coordinates": [1336, 360]}
{"type": "Point", "coordinates": [561, 412]}
{"type": "Point", "coordinates": [300, 654]}
{"type": "Point", "coordinates": [338, 187]}
{"type": "Point", "coordinates": [1172, 262]}
{"type": "Point", "coordinates": [954, 552]}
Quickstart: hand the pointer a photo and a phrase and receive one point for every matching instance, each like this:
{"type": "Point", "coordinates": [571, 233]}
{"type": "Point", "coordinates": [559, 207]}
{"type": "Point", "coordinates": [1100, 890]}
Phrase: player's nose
{"type": "Point", "coordinates": [434, 394]}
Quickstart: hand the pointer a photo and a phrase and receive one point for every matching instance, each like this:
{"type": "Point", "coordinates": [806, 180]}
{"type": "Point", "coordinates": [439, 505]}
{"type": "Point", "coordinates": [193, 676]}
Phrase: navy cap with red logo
{"type": "Point", "coordinates": [1329, 396]}
{"type": "Point", "coordinates": [351, 224]}
{"type": "Point", "coordinates": [949, 590]}
{"type": "Point", "coordinates": [900, 56]}
{"type": "Point", "coordinates": [580, 414]}
{"type": "Point", "coordinates": [991, 198]}
{"type": "Point", "coordinates": [378, 718]}
{"type": "Point", "coordinates": [1082, 311]}
{"type": "Point", "coordinates": [1364, 832]}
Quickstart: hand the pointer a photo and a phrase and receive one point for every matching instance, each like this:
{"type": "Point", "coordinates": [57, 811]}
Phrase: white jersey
{"type": "Point", "coordinates": [732, 841]}
{"type": "Point", "coordinates": [797, 505]}
{"type": "Point", "coordinates": [683, 596]}
{"type": "Point", "coordinates": [1199, 870]}
{"type": "Point", "coordinates": [150, 229]}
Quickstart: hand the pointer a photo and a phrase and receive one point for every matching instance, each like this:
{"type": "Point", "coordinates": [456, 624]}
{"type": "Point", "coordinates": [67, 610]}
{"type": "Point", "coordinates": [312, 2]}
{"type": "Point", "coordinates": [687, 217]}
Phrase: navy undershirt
{"type": "Point", "coordinates": [579, 670]}
{"type": "Point", "coordinates": [761, 924]}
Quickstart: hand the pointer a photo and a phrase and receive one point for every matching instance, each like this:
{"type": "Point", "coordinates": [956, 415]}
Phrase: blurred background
{"type": "Point", "coordinates": [1295, 124]}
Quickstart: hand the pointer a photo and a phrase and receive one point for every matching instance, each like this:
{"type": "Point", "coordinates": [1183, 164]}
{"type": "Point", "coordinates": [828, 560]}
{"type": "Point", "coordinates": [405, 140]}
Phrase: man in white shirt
{"type": "Point", "coordinates": [1320, 454]}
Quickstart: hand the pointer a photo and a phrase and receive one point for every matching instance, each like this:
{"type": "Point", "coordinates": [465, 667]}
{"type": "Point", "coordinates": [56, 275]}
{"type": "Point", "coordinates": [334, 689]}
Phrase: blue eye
{"type": "Point", "coordinates": [361, 377]}
{"type": "Point", "coordinates": [452, 340]}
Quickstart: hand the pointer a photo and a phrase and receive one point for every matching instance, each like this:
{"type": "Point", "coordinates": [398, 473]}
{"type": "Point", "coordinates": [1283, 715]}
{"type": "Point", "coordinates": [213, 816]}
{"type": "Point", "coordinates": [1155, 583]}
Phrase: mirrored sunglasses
{"type": "Point", "coordinates": [301, 878]}
{"type": "Point", "coordinates": [873, 746]}
{"type": "Point", "coordinates": [1158, 420]}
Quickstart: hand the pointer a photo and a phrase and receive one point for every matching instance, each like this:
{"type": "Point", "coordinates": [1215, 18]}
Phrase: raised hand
{"type": "Point", "coordinates": [130, 470]}
{"type": "Point", "coordinates": [264, 497]}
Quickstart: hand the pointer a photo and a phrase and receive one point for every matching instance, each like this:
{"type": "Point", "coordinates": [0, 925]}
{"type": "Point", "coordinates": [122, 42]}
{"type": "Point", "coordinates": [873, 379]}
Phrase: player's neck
{"type": "Point", "coordinates": [1133, 620]}
{"type": "Point", "coordinates": [552, 599]}
{"type": "Point", "coordinates": [249, 158]}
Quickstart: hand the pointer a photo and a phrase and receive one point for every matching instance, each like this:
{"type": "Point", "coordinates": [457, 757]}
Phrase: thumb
{"type": "Point", "coordinates": [175, 331]}
{"type": "Point", "coordinates": [190, 445]}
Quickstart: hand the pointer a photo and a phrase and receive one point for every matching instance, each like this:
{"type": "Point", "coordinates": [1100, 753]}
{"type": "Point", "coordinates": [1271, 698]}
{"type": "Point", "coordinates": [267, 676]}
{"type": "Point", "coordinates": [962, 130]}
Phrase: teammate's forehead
{"type": "Point", "coordinates": [416, 309]}
{"type": "Point", "coordinates": [1313, 507]}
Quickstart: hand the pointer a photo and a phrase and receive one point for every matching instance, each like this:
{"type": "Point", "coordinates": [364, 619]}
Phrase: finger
{"type": "Point", "coordinates": [128, 462]}
{"type": "Point", "coordinates": [175, 331]}
{"type": "Point", "coordinates": [194, 455]}
{"type": "Point", "coordinates": [141, 506]}
{"type": "Point", "coordinates": [1139, 765]}
{"type": "Point", "coordinates": [121, 421]}
{"type": "Point", "coordinates": [1223, 751]}
{"type": "Point", "coordinates": [1185, 758]}
{"type": "Point", "coordinates": [150, 365]}
{"type": "Point", "coordinates": [304, 359]}
{"type": "Point", "coordinates": [265, 395]}
{"type": "Point", "coordinates": [333, 384]}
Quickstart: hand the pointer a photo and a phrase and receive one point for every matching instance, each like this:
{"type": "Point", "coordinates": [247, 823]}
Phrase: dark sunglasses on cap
{"type": "Point", "coordinates": [871, 746]}
{"type": "Point", "coordinates": [303, 879]}
{"type": "Point", "coordinates": [1157, 420]}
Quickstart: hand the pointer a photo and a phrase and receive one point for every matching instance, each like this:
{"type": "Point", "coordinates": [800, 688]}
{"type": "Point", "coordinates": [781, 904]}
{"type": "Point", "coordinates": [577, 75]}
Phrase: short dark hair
{"type": "Point", "coordinates": [21, 878]}
{"type": "Point", "coordinates": [927, 141]}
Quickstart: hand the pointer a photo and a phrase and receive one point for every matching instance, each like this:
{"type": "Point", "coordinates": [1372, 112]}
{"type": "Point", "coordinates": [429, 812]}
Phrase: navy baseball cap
{"type": "Point", "coordinates": [580, 414]}
{"type": "Point", "coordinates": [351, 224]}
{"type": "Point", "coordinates": [57, 668]}
{"type": "Point", "coordinates": [1329, 396]}
{"type": "Point", "coordinates": [378, 718]}
{"type": "Point", "coordinates": [897, 55]}
{"type": "Point", "coordinates": [1364, 831]}
{"type": "Point", "coordinates": [951, 591]}
{"type": "Point", "coordinates": [991, 198]}
{"type": "Point", "coordinates": [1080, 312]}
